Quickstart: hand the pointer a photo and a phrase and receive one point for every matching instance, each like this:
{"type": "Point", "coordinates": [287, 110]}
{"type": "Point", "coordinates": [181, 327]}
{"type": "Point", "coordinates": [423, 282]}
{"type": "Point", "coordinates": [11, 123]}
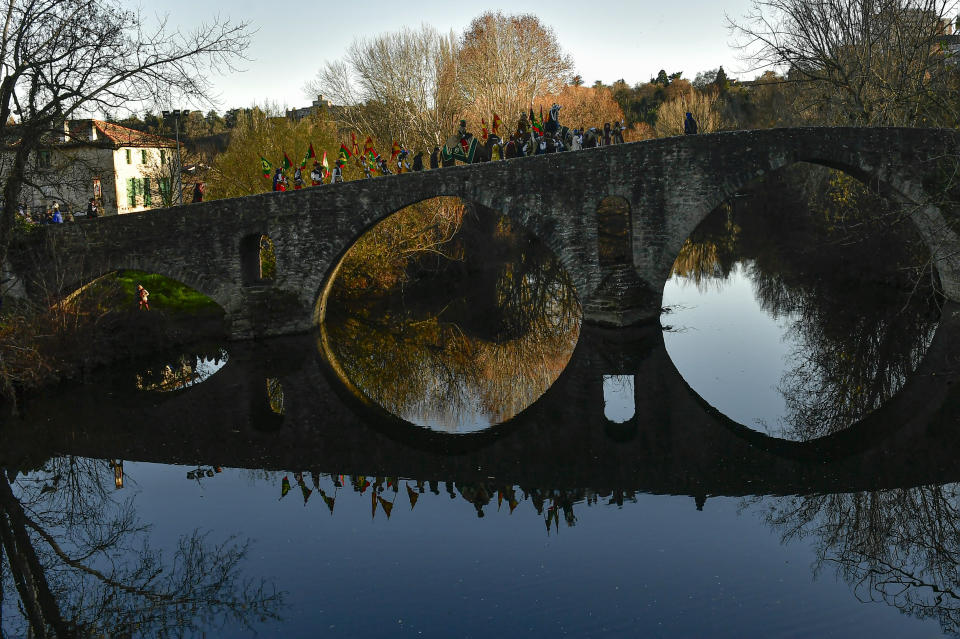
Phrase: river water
{"type": "Point", "coordinates": [777, 458]}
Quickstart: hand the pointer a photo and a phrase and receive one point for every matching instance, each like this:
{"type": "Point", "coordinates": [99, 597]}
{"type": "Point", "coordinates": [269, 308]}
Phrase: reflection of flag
{"type": "Point", "coordinates": [329, 501]}
{"type": "Point", "coordinates": [386, 505]}
{"type": "Point", "coordinates": [373, 502]}
{"type": "Point", "coordinates": [265, 166]}
{"type": "Point", "coordinates": [309, 156]}
{"type": "Point", "coordinates": [287, 163]}
{"type": "Point", "coordinates": [413, 495]}
{"type": "Point", "coordinates": [284, 487]}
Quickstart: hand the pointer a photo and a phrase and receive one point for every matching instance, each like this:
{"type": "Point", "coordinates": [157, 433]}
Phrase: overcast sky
{"type": "Point", "coordinates": [608, 41]}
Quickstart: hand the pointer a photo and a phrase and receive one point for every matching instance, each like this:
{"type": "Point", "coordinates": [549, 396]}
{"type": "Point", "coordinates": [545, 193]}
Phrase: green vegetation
{"type": "Point", "coordinates": [165, 294]}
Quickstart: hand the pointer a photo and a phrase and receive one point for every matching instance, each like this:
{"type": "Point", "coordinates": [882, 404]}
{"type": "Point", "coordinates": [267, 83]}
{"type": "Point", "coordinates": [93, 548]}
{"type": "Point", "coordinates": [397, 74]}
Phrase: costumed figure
{"type": "Point", "coordinates": [316, 174]}
{"type": "Point", "coordinates": [689, 125]}
{"type": "Point", "coordinates": [523, 124]}
{"type": "Point", "coordinates": [510, 148]}
{"type": "Point", "coordinates": [367, 171]}
{"type": "Point", "coordinates": [552, 125]}
{"type": "Point", "coordinates": [618, 130]}
{"type": "Point", "coordinates": [279, 180]}
{"type": "Point", "coordinates": [402, 164]}
{"type": "Point", "coordinates": [558, 146]}
{"type": "Point", "coordinates": [576, 142]}
{"type": "Point", "coordinates": [337, 176]}
{"type": "Point", "coordinates": [606, 134]}
{"type": "Point", "coordinates": [382, 166]}
{"type": "Point", "coordinates": [297, 179]}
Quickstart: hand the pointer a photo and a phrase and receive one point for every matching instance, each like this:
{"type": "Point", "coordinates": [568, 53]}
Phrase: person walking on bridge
{"type": "Point", "coordinates": [689, 125]}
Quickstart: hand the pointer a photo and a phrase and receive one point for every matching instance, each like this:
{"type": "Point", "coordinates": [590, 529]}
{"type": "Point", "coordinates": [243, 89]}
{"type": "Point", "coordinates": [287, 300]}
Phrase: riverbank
{"type": "Point", "coordinates": [42, 346]}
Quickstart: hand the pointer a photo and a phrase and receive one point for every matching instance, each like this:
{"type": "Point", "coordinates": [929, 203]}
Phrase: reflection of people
{"type": "Point", "coordinates": [142, 298]}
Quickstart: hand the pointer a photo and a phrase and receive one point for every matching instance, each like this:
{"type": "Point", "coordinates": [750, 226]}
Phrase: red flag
{"type": "Point", "coordinates": [396, 151]}
{"type": "Point", "coordinates": [483, 130]}
{"type": "Point", "coordinates": [368, 145]}
{"type": "Point", "coordinates": [354, 147]}
{"type": "Point", "coordinates": [309, 156]}
{"type": "Point", "coordinates": [496, 124]}
{"type": "Point", "coordinates": [286, 161]}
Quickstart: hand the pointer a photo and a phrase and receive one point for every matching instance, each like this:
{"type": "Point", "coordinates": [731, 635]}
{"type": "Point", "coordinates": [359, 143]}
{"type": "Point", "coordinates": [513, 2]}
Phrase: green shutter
{"type": "Point", "coordinates": [131, 191]}
{"type": "Point", "coordinates": [129, 157]}
{"type": "Point", "coordinates": [143, 156]}
{"type": "Point", "coordinates": [147, 197]}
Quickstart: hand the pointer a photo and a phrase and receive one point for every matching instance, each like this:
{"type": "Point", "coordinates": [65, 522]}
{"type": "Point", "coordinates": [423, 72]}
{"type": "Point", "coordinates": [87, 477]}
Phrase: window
{"type": "Point", "coordinates": [147, 196]}
{"type": "Point", "coordinates": [43, 160]}
{"type": "Point", "coordinates": [143, 156]}
{"type": "Point", "coordinates": [129, 157]}
{"type": "Point", "coordinates": [163, 185]}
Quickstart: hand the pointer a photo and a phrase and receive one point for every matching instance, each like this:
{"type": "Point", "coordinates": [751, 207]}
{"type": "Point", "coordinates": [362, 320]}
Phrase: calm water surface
{"type": "Point", "coordinates": [768, 465]}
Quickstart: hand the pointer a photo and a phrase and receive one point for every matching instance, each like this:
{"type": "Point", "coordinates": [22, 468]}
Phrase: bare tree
{"type": "Point", "coordinates": [860, 62]}
{"type": "Point", "coordinates": [53, 67]}
{"type": "Point", "coordinates": [505, 62]}
{"type": "Point", "coordinates": [397, 86]}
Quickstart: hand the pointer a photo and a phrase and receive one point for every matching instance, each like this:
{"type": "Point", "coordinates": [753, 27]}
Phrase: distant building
{"type": "Point", "coordinates": [318, 106]}
{"type": "Point", "coordinates": [124, 169]}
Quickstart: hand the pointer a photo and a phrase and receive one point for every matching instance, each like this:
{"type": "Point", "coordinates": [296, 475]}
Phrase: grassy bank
{"type": "Point", "coordinates": [61, 340]}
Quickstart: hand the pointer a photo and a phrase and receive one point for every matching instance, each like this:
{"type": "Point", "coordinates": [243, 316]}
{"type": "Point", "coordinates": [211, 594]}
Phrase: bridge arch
{"type": "Point", "coordinates": [481, 202]}
{"type": "Point", "coordinates": [901, 185]}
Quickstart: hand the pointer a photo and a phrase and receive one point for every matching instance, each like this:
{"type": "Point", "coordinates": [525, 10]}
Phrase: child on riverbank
{"type": "Point", "coordinates": [142, 297]}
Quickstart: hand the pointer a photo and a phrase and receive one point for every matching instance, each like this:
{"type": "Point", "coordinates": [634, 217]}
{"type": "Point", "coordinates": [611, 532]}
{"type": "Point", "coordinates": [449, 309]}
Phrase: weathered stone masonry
{"type": "Point", "coordinates": [670, 185]}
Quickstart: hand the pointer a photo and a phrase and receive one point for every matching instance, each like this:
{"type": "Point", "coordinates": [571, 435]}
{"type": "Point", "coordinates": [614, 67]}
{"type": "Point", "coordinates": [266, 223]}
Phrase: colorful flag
{"type": "Point", "coordinates": [284, 487]}
{"type": "Point", "coordinates": [483, 130]}
{"type": "Point", "coordinates": [396, 151]}
{"type": "Point", "coordinates": [496, 124]}
{"type": "Point", "coordinates": [344, 152]}
{"type": "Point", "coordinates": [325, 165]}
{"type": "Point", "coordinates": [536, 125]}
{"type": "Point", "coordinates": [287, 163]}
{"type": "Point", "coordinates": [265, 166]}
{"type": "Point", "coordinates": [309, 156]}
{"type": "Point", "coordinates": [368, 145]}
{"type": "Point", "coordinates": [354, 147]}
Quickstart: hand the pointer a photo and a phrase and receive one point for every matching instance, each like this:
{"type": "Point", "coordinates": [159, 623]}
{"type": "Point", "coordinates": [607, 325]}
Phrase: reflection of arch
{"type": "Point", "coordinates": [614, 232]}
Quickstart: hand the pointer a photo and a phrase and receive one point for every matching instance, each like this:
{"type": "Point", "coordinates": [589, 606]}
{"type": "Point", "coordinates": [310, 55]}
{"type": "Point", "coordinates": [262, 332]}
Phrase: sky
{"type": "Point", "coordinates": [608, 41]}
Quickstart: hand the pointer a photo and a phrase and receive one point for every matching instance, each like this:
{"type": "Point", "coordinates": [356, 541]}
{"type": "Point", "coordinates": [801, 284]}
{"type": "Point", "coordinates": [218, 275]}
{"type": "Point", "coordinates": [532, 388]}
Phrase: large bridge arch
{"type": "Point", "coordinates": [886, 164]}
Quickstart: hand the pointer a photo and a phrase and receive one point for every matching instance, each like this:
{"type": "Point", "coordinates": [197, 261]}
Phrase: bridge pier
{"type": "Point", "coordinates": [622, 299]}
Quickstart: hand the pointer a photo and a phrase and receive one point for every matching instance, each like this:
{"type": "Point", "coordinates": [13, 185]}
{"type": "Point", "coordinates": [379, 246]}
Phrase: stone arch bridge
{"type": "Point", "coordinates": [669, 186]}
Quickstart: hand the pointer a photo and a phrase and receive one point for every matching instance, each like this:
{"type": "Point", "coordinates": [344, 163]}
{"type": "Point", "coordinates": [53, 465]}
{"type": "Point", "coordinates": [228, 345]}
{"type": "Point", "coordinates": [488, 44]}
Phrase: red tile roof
{"type": "Point", "coordinates": [115, 135]}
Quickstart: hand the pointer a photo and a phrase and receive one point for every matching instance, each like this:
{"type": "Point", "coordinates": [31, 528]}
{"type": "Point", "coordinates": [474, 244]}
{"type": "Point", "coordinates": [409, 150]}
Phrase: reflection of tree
{"type": "Point", "coordinates": [275, 395]}
{"type": "Point", "coordinates": [836, 262]}
{"type": "Point", "coordinates": [82, 566]}
{"type": "Point", "coordinates": [901, 547]}
{"type": "Point", "coordinates": [479, 344]}
{"type": "Point", "coordinates": [183, 372]}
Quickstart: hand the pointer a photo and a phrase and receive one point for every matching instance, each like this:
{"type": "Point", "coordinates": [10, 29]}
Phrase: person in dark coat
{"type": "Point", "coordinates": [198, 190]}
{"type": "Point", "coordinates": [689, 125]}
{"type": "Point", "coordinates": [435, 158]}
{"type": "Point", "coordinates": [418, 161]}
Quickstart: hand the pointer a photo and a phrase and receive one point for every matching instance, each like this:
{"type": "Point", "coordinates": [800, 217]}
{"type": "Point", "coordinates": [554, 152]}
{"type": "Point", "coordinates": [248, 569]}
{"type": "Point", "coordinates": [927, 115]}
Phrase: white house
{"type": "Point", "coordinates": [124, 169]}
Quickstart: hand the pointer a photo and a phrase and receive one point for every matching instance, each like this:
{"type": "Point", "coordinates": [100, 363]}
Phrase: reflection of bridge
{"type": "Point", "coordinates": [674, 443]}
{"type": "Point", "coordinates": [666, 187]}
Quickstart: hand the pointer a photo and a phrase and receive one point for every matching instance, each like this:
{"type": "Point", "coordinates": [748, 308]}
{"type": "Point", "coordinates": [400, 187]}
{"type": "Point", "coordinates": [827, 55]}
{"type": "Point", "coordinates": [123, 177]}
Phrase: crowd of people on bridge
{"type": "Point", "coordinates": [530, 136]}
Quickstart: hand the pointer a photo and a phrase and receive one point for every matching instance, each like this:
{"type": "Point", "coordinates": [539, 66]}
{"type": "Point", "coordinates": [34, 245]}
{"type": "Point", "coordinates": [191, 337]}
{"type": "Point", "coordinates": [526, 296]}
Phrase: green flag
{"type": "Point", "coordinates": [265, 166]}
{"type": "Point", "coordinates": [287, 162]}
